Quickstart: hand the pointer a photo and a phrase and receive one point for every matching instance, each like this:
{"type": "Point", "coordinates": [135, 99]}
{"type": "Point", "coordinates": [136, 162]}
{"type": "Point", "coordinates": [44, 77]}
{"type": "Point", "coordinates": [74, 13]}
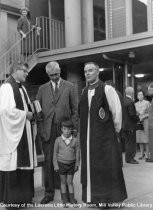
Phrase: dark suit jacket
{"type": "Point", "coordinates": [150, 118]}
{"type": "Point", "coordinates": [61, 108]}
{"type": "Point", "coordinates": [130, 116]}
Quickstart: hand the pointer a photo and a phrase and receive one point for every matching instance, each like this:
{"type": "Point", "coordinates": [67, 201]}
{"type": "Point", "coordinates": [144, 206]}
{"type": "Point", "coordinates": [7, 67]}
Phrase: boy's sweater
{"type": "Point", "coordinates": [66, 153]}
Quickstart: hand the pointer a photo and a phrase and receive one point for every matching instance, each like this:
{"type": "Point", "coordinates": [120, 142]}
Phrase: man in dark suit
{"type": "Point", "coordinates": [129, 126]}
{"type": "Point", "coordinates": [58, 101]}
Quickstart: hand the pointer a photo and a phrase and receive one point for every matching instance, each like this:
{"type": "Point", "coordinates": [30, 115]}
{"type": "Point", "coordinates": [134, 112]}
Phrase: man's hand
{"type": "Point", "coordinates": [56, 170]}
{"type": "Point", "coordinates": [38, 31]}
{"type": "Point", "coordinates": [76, 168]}
{"type": "Point", "coordinates": [23, 36]}
{"type": "Point", "coordinates": [29, 116]}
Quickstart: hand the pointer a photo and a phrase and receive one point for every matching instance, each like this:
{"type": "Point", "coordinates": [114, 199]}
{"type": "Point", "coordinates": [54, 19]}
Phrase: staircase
{"type": "Point", "coordinates": [51, 36]}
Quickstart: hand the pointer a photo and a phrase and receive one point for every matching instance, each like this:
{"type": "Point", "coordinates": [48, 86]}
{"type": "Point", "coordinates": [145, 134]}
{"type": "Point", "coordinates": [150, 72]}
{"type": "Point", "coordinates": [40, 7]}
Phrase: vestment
{"type": "Point", "coordinates": [17, 150]}
{"type": "Point", "coordinates": [142, 107]}
{"type": "Point", "coordinates": [55, 110]}
{"type": "Point", "coordinates": [101, 166]}
{"type": "Point", "coordinates": [66, 154]}
{"type": "Point", "coordinates": [129, 128]}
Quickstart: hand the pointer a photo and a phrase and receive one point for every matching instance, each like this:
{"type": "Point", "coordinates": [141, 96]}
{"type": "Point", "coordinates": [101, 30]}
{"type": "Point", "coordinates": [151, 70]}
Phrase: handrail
{"type": "Point", "coordinates": [47, 18]}
{"type": "Point", "coordinates": [18, 41]}
{"type": "Point", "coordinates": [14, 45]}
{"type": "Point", "coordinates": [4, 46]}
{"type": "Point", "coordinates": [50, 36]}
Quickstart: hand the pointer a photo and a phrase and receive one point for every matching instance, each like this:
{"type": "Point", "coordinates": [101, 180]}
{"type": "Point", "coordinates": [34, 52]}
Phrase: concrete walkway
{"type": "Point", "coordinates": [139, 183]}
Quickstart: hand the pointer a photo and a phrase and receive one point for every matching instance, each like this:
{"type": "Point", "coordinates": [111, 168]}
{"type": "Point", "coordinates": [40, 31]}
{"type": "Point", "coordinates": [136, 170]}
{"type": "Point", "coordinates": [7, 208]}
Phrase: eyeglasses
{"type": "Point", "coordinates": [52, 75]}
{"type": "Point", "coordinates": [25, 71]}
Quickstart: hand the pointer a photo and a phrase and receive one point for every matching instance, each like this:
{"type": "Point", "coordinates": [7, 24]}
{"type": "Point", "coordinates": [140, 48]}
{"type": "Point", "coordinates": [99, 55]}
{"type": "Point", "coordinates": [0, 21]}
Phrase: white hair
{"type": "Point", "coordinates": [129, 91]}
{"type": "Point", "coordinates": [52, 66]}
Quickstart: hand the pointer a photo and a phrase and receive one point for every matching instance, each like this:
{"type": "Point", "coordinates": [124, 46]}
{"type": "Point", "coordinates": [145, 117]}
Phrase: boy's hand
{"type": "Point", "coordinates": [75, 133]}
{"type": "Point", "coordinates": [76, 169]}
{"type": "Point", "coordinates": [56, 170]}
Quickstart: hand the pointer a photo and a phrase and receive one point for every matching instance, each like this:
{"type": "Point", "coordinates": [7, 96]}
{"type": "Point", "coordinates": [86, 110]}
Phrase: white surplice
{"type": "Point", "coordinates": [12, 122]}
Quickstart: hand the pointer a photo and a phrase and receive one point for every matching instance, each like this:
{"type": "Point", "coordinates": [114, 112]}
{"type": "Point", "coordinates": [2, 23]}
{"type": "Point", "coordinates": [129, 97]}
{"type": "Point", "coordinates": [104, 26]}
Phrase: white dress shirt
{"type": "Point", "coordinates": [53, 84]}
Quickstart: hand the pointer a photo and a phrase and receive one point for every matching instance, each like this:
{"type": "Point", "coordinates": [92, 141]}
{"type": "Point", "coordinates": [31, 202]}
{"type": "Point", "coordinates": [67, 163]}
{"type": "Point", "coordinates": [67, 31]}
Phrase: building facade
{"type": "Point", "coordinates": [117, 34]}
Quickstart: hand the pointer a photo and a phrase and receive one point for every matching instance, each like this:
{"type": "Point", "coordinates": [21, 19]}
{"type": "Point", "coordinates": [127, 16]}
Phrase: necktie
{"type": "Point", "coordinates": [56, 89]}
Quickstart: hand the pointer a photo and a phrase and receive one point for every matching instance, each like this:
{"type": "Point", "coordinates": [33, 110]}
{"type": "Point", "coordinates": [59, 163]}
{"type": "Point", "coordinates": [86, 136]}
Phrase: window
{"type": "Point", "coordinates": [139, 15]}
{"type": "Point", "coordinates": [99, 20]}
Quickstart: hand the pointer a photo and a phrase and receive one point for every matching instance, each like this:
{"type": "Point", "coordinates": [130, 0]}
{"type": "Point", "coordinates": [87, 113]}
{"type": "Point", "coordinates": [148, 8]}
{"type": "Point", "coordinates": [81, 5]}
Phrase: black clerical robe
{"type": "Point", "coordinates": [99, 150]}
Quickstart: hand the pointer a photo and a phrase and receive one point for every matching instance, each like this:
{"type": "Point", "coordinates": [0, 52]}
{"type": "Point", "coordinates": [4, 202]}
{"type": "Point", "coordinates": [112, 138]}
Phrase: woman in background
{"type": "Point", "coordinates": [23, 27]}
{"type": "Point", "coordinates": [142, 108]}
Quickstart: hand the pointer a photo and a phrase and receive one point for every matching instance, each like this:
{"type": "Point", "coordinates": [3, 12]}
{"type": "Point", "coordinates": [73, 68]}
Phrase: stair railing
{"type": "Point", "coordinates": [20, 51]}
{"type": "Point", "coordinates": [46, 35]}
{"type": "Point", "coordinates": [9, 42]}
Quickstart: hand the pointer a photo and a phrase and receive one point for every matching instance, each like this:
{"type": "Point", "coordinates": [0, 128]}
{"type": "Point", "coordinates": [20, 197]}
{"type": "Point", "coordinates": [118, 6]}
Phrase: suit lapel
{"type": "Point", "coordinates": [50, 91]}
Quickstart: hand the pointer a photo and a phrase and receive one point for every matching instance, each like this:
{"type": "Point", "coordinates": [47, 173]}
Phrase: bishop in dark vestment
{"type": "Point", "coordinates": [17, 150]}
{"type": "Point", "coordinates": [100, 118]}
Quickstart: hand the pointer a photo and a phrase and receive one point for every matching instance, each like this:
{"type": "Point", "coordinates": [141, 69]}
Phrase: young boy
{"type": "Point", "coordinates": [66, 160]}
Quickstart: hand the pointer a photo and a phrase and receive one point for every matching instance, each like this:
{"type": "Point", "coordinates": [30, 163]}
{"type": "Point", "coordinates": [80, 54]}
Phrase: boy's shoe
{"type": "Point", "coordinates": [72, 199]}
{"type": "Point", "coordinates": [46, 199]}
{"type": "Point", "coordinates": [65, 199]}
{"type": "Point", "coordinates": [142, 157]}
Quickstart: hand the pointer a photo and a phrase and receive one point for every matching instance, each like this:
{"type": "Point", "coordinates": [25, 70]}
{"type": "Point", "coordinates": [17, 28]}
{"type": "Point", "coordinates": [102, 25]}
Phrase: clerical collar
{"type": "Point", "coordinates": [19, 84]}
{"type": "Point", "coordinates": [93, 85]}
{"type": "Point", "coordinates": [129, 97]}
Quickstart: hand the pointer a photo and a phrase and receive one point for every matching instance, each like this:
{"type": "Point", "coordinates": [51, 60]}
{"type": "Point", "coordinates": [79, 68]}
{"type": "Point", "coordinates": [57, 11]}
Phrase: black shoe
{"type": "Point", "coordinates": [72, 199]}
{"type": "Point", "coordinates": [149, 160]}
{"type": "Point", "coordinates": [46, 199]}
{"type": "Point", "coordinates": [142, 157]}
{"type": "Point", "coordinates": [133, 161]}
